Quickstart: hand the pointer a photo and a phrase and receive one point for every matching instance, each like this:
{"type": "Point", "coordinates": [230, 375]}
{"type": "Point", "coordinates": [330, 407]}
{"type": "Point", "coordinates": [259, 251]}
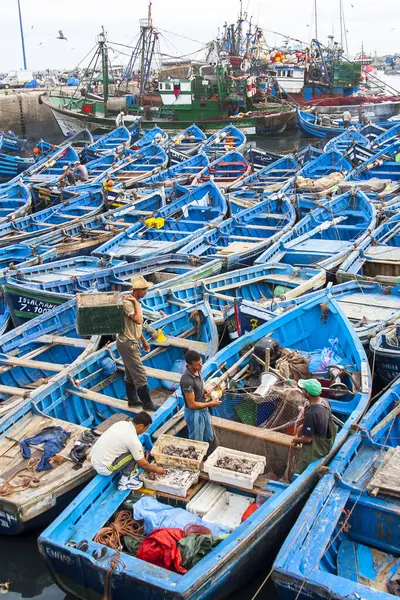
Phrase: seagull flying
{"type": "Point", "coordinates": [61, 36]}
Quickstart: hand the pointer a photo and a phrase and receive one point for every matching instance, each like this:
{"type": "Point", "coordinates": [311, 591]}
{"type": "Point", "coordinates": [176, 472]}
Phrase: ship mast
{"type": "Point", "coordinates": [104, 68]}
{"type": "Point", "coordinates": [22, 34]}
{"type": "Point", "coordinates": [316, 19]}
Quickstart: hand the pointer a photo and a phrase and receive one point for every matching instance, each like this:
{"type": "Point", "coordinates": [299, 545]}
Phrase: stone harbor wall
{"type": "Point", "coordinates": [21, 112]}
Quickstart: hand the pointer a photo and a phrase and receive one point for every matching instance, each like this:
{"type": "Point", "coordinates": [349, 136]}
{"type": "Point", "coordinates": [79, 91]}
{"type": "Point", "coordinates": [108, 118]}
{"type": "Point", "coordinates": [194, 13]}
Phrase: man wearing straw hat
{"type": "Point", "coordinates": [128, 344]}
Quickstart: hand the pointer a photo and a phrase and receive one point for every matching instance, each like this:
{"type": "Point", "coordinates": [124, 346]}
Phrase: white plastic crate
{"type": "Point", "coordinates": [167, 459]}
{"type": "Point", "coordinates": [242, 480]}
{"type": "Point", "coordinates": [228, 510]}
{"type": "Point", "coordinates": [205, 499]}
{"type": "Point", "coordinates": [169, 488]}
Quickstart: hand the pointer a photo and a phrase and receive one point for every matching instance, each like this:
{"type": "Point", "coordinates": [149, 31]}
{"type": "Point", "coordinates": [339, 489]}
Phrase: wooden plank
{"type": "Point", "coordinates": [63, 339]}
{"type": "Point", "coordinates": [201, 347]}
{"type": "Point", "coordinates": [102, 399]}
{"type": "Point", "coordinates": [161, 374]}
{"type": "Point", "coordinates": [14, 391]}
{"type": "Point", "coordinates": [389, 417]}
{"type": "Point", "coordinates": [255, 432]}
{"type": "Point", "coordinates": [32, 364]}
{"type": "Point", "coordinates": [110, 421]}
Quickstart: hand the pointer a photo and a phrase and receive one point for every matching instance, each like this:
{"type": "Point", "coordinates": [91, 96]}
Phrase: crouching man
{"type": "Point", "coordinates": [119, 450]}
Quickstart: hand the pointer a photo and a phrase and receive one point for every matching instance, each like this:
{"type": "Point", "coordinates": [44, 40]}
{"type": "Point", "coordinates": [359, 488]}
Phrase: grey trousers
{"type": "Point", "coordinates": [134, 370]}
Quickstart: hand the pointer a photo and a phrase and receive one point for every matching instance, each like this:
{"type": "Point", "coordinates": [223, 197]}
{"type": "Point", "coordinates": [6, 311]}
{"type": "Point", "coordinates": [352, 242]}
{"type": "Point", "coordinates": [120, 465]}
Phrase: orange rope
{"type": "Point", "coordinates": [123, 524]}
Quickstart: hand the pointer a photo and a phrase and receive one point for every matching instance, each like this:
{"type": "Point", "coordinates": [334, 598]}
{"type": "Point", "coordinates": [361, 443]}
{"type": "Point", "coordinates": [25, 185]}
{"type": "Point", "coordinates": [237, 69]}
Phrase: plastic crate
{"type": "Point", "coordinates": [242, 480]}
{"type": "Point", "coordinates": [166, 459]}
{"type": "Point", "coordinates": [175, 490]}
{"type": "Point", "coordinates": [99, 314]}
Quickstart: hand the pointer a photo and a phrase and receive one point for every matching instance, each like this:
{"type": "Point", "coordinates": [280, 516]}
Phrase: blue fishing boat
{"type": "Point", "coordinates": [259, 158]}
{"type": "Point", "coordinates": [185, 143]}
{"type": "Point", "coordinates": [240, 239]}
{"type": "Point", "coordinates": [140, 165]}
{"type": "Point", "coordinates": [225, 140]}
{"type": "Point", "coordinates": [322, 174]}
{"type": "Point", "coordinates": [325, 236]}
{"type": "Point", "coordinates": [180, 173]}
{"type": "Point", "coordinates": [22, 229]}
{"type": "Point", "coordinates": [31, 291]}
{"type": "Point", "coordinates": [238, 556]}
{"type": "Point", "coordinates": [345, 140]}
{"type": "Point", "coordinates": [9, 142]}
{"type": "Point", "coordinates": [309, 125]}
{"type": "Point", "coordinates": [382, 165]}
{"type": "Point", "coordinates": [271, 178]}
{"type": "Point", "coordinates": [12, 166]}
{"type": "Point", "coordinates": [34, 352]}
{"type": "Point", "coordinates": [225, 170]}
{"type": "Point", "coordinates": [51, 166]}
{"type": "Point", "coordinates": [387, 138]}
{"type": "Point", "coordinates": [24, 255]}
{"type": "Point", "coordinates": [15, 201]}
{"type": "Point", "coordinates": [345, 544]}
{"type": "Point", "coordinates": [90, 397]}
{"type": "Point", "coordinates": [377, 257]}
{"type": "Point", "coordinates": [369, 306]}
{"type": "Point", "coordinates": [385, 352]}
{"type": "Point", "coordinates": [156, 135]}
{"type": "Point", "coordinates": [120, 136]}
{"type": "Point", "coordinates": [171, 227]}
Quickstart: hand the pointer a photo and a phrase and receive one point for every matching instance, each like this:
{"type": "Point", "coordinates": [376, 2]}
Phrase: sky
{"type": "Point", "coordinates": [185, 26]}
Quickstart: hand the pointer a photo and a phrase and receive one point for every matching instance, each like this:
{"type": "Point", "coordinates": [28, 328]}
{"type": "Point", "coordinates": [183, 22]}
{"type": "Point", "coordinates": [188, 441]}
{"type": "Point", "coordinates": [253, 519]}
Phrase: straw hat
{"type": "Point", "coordinates": [139, 283]}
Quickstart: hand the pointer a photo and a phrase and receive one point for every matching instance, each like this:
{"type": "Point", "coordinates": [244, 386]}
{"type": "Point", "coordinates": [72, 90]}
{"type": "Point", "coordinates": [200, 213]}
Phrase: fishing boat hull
{"type": "Point", "coordinates": [249, 546]}
{"type": "Point", "coordinates": [273, 119]}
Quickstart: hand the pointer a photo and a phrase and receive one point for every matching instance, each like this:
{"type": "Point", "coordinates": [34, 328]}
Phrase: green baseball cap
{"type": "Point", "coordinates": [312, 386]}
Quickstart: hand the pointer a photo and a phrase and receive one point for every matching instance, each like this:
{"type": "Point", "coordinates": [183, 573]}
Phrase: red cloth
{"type": "Point", "coordinates": [249, 511]}
{"type": "Point", "coordinates": [159, 548]}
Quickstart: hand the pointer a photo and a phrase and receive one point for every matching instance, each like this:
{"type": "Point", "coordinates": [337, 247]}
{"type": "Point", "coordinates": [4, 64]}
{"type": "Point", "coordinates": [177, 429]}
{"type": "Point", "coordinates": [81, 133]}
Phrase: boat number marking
{"type": "Point", "coordinates": [57, 555]}
{"type": "Point", "coordinates": [36, 306]}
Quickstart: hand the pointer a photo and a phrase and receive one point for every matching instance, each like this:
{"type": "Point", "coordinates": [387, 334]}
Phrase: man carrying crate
{"type": "Point", "coordinates": [128, 344]}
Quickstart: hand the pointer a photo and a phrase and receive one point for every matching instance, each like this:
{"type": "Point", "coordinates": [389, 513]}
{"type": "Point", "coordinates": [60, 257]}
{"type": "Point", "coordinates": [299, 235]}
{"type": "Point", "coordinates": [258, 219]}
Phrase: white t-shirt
{"type": "Point", "coordinates": [119, 439]}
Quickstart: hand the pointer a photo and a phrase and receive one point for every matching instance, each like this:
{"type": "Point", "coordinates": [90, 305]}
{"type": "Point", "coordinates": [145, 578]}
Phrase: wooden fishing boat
{"type": "Point", "coordinates": [225, 140]}
{"type": "Point", "coordinates": [62, 272]}
{"type": "Point", "coordinates": [271, 178]}
{"type": "Point", "coordinates": [57, 216]}
{"type": "Point", "coordinates": [241, 553]}
{"type": "Point", "coordinates": [87, 234]}
{"type": "Point", "coordinates": [33, 290]}
{"type": "Point", "coordinates": [387, 138]}
{"type": "Point", "coordinates": [325, 236]}
{"type": "Point", "coordinates": [225, 170]}
{"type": "Point", "coordinates": [15, 201]}
{"type": "Point", "coordinates": [377, 257]}
{"type": "Point", "coordinates": [12, 166]}
{"type": "Point", "coordinates": [180, 173]}
{"type": "Point", "coordinates": [10, 142]}
{"type": "Point", "coordinates": [259, 158]}
{"type": "Point", "coordinates": [90, 396]}
{"type": "Point", "coordinates": [382, 165]}
{"type": "Point", "coordinates": [171, 227]}
{"type": "Point", "coordinates": [185, 143]}
{"type": "Point", "coordinates": [120, 136]}
{"type": "Point", "coordinates": [321, 175]}
{"type": "Point", "coordinates": [4, 315]}
{"type": "Point", "coordinates": [24, 255]}
{"type": "Point", "coordinates": [240, 239]}
{"type": "Point", "coordinates": [156, 135]}
{"type": "Point", "coordinates": [384, 348]}
{"type": "Point", "coordinates": [140, 165]}
{"type": "Point", "coordinates": [51, 166]}
{"type": "Point", "coordinates": [345, 542]}
{"type": "Point", "coordinates": [32, 353]}
{"type": "Point", "coordinates": [308, 124]}
{"type": "Point", "coordinates": [368, 306]}
{"type": "Point", "coordinates": [345, 140]}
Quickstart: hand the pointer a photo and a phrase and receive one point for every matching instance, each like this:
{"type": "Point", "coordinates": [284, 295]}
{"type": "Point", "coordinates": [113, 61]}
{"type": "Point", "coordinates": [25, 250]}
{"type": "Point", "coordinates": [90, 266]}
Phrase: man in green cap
{"type": "Point", "coordinates": [318, 431]}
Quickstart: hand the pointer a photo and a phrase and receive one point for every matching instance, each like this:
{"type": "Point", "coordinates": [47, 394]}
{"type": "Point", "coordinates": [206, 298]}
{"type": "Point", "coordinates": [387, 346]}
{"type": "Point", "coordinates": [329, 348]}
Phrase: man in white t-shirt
{"type": "Point", "coordinates": [119, 450]}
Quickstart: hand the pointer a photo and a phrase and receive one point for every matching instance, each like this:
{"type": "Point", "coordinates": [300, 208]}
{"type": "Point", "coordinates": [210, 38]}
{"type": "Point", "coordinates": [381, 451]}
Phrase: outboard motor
{"type": "Point", "coordinates": [337, 388]}
{"type": "Point", "coordinates": [266, 343]}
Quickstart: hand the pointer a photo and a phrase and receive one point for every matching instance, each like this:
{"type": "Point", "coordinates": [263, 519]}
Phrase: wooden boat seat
{"type": "Point", "coordinates": [386, 479]}
{"type": "Point", "coordinates": [32, 364]}
{"type": "Point", "coordinates": [383, 253]}
{"type": "Point", "coordinates": [366, 565]}
{"type": "Point", "coordinates": [31, 502]}
{"type": "Point", "coordinates": [324, 246]}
